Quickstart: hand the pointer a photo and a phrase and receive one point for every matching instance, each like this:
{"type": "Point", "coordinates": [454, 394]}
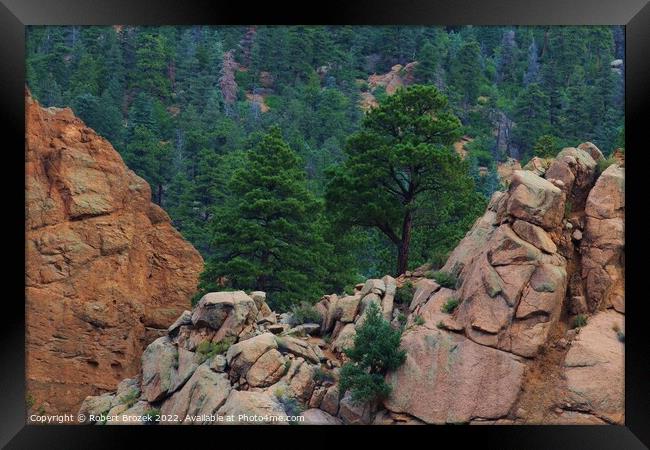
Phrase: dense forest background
{"type": "Point", "coordinates": [225, 122]}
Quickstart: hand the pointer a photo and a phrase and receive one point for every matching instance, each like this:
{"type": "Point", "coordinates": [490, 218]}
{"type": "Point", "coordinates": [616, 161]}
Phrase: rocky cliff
{"type": "Point", "coordinates": [537, 336]}
{"type": "Point", "coordinates": [105, 269]}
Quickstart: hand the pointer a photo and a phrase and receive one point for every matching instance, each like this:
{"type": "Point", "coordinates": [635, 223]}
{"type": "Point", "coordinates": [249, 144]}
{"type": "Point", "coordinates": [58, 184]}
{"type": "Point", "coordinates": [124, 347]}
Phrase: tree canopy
{"type": "Point", "coordinates": [400, 168]}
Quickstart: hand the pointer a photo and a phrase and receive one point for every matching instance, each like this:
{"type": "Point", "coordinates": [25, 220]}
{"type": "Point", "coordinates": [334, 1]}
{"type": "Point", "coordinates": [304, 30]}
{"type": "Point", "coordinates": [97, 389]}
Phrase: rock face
{"type": "Point", "coordinates": [603, 243]}
{"type": "Point", "coordinates": [106, 272]}
{"type": "Point", "coordinates": [549, 248]}
{"type": "Point", "coordinates": [594, 368]}
{"type": "Point", "coordinates": [448, 378]}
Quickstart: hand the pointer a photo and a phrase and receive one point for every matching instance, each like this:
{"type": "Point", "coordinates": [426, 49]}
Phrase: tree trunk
{"type": "Point", "coordinates": [403, 247]}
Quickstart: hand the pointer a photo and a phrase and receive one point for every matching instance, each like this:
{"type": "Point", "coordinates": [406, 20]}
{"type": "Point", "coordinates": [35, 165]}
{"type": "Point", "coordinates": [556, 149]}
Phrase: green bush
{"type": "Point", "coordinates": [547, 146]}
{"type": "Point", "coordinates": [419, 320]}
{"type": "Point", "coordinates": [291, 406]}
{"type": "Point", "coordinates": [440, 325]}
{"type": "Point", "coordinates": [304, 313]}
{"type": "Point", "coordinates": [604, 163]}
{"type": "Point", "coordinates": [450, 305]}
{"type": "Point", "coordinates": [376, 350]}
{"type": "Point", "coordinates": [273, 101]}
{"type": "Point", "coordinates": [207, 349]}
{"type": "Point", "coordinates": [568, 208]}
{"type": "Point", "coordinates": [152, 416]}
{"type": "Point", "coordinates": [131, 398]}
{"type": "Point", "coordinates": [579, 321]}
{"type": "Point", "coordinates": [445, 279]}
{"type": "Point", "coordinates": [321, 375]}
{"type": "Point", "coordinates": [405, 293]}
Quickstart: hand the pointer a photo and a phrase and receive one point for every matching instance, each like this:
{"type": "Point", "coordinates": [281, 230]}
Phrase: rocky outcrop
{"type": "Point", "coordinates": [548, 249]}
{"type": "Point", "coordinates": [494, 340]}
{"type": "Point", "coordinates": [603, 242]}
{"type": "Point", "coordinates": [106, 272]}
{"type": "Point", "coordinates": [399, 76]}
{"type": "Point", "coordinates": [215, 365]}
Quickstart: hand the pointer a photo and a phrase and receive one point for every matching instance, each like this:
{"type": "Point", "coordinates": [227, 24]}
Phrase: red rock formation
{"type": "Point", "coordinates": [105, 272]}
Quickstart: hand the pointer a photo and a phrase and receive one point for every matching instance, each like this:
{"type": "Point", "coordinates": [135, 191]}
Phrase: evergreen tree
{"type": "Point", "coordinates": [375, 352]}
{"type": "Point", "coordinates": [150, 72]}
{"type": "Point", "coordinates": [265, 237]}
{"type": "Point", "coordinates": [466, 72]}
{"type": "Point", "coordinates": [532, 118]}
{"type": "Point", "coordinates": [428, 61]}
{"type": "Point", "coordinates": [401, 155]}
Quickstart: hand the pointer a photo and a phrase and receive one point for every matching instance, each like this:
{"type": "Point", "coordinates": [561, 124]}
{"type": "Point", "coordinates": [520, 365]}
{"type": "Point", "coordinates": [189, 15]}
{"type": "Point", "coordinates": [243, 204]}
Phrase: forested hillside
{"type": "Point", "coordinates": [260, 143]}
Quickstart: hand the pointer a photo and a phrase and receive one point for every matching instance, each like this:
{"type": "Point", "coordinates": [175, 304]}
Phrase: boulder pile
{"type": "Point", "coordinates": [232, 360]}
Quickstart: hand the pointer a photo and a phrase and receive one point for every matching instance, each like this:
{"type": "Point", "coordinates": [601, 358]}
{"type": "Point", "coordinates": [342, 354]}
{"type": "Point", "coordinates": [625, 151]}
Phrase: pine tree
{"type": "Point", "coordinates": [466, 72]}
{"type": "Point", "coordinates": [401, 155]}
{"type": "Point", "coordinates": [532, 118]}
{"type": "Point", "coordinates": [428, 61]}
{"type": "Point", "coordinates": [150, 72]}
{"type": "Point", "coordinates": [265, 237]}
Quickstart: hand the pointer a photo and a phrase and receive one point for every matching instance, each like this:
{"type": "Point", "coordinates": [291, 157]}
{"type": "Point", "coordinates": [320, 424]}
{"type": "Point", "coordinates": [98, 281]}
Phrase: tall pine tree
{"type": "Point", "coordinates": [266, 237]}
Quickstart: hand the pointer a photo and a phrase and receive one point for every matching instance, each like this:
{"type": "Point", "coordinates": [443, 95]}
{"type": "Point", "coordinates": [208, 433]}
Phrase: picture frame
{"type": "Point", "coordinates": [15, 15]}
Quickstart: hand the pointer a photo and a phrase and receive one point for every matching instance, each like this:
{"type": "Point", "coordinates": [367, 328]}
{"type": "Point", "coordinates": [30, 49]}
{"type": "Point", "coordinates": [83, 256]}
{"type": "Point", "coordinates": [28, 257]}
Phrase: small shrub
{"type": "Point", "coordinates": [196, 297]}
{"type": "Point", "coordinates": [29, 401]}
{"type": "Point", "coordinates": [438, 259]}
{"type": "Point", "coordinates": [429, 274]}
{"type": "Point", "coordinates": [604, 163]}
{"type": "Point", "coordinates": [327, 338]}
{"type": "Point", "coordinates": [291, 406]}
{"type": "Point", "coordinates": [287, 366]}
{"type": "Point", "coordinates": [401, 318]}
{"type": "Point", "coordinates": [579, 321]}
{"type": "Point", "coordinates": [41, 410]}
{"type": "Point", "coordinates": [321, 375]}
{"type": "Point", "coordinates": [207, 349]}
{"type": "Point", "coordinates": [547, 146]}
{"type": "Point", "coordinates": [568, 207]}
{"type": "Point", "coordinates": [152, 416]}
{"type": "Point", "coordinates": [450, 305]}
{"type": "Point", "coordinates": [380, 93]}
{"type": "Point", "coordinates": [405, 293]}
{"type": "Point", "coordinates": [445, 279]}
{"type": "Point", "coordinates": [304, 313]}
{"type": "Point", "coordinates": [131, 398]}
{"type": "Point", "coordinates": [419, 320]}
{"type": "Point", "coordinates": [376, 350]}
{"type": "Point", "coordinates": [349, 289]}
{"type": "Point", "coordinates": [440, 325]}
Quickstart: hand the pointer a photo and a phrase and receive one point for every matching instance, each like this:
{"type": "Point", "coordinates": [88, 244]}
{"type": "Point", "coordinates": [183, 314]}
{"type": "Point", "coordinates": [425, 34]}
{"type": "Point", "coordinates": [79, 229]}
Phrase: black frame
{"type": "Point", "coordinates": [635, 14]}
